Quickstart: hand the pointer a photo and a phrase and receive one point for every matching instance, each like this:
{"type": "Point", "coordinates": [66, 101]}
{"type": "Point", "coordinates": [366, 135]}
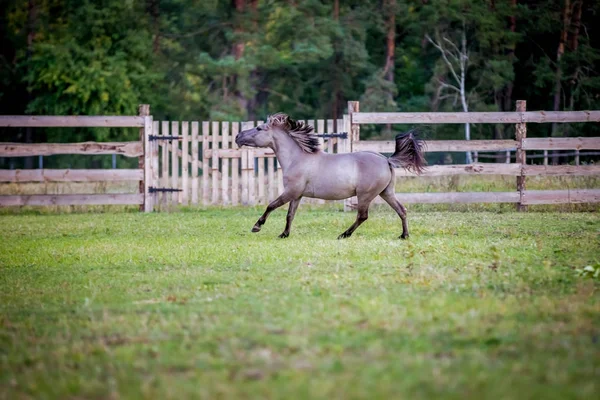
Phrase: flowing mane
{"type": "Point", "coordinates": [301, 132]}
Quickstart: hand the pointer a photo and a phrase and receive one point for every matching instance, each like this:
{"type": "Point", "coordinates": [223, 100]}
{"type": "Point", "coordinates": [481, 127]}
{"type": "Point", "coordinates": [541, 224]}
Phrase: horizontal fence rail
{"type": "Point", "coordinates": [41, 121]}
{"type": "Point", "coordinates": [475, 117]}
{"type": "Point", "coordinates": [388, 146]}
{"type": "Point", "coordinates": [72, 199]}
{"type": "Point", "coordinates": [531, 197]}
{"type": "Point", "coordinates": [70, 175]}
{"type": "Point", "coordinates": [127, 149]}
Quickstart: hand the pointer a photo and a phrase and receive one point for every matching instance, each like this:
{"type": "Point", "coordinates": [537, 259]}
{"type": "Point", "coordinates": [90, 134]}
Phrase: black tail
{"type": "Point", "coordinates": [409, 153]}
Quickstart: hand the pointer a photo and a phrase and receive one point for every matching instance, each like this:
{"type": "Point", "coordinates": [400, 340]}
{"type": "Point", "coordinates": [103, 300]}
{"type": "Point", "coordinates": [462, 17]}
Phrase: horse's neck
{"type": "Point", "coordinates": [287, 151]}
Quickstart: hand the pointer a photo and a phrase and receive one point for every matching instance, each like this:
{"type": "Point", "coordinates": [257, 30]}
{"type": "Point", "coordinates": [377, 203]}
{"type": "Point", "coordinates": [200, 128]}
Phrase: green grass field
{"type": "Point", "coordinates": [191, 304]}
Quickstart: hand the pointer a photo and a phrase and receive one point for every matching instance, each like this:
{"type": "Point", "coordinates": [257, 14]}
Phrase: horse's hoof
{"type": "Point", "coordinates": [344, 236]}
{"type": "Point", "coordinates": [403, 236]}
{"type": "Point", "coordinates": [284, 235]}
{"type": "Point", "coordinates": [256, 228]}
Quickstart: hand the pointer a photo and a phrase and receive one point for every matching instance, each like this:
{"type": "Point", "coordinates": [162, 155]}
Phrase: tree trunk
{"type": "Point", "coordinates": [154, 10]}
{"type": "Point", "coordinates": [252, 103]}
{"type": "Point", "coordinates": [238, 46]}
{"type": "Point", "coordinates": [559, 53]}
{"type": "Point", "coordinates": [566, 14]}
{"type": "Point", "coordinates": [31, 30]}
{"type": "Point", "coordinates": [238, 51]}
{"type": "Point", "coordinates": [390, 47]}
{"type": "Point", "coordinates": [388, 70]}
{"type": "Point", "coordinates": [463, 91]}
{"type": "Point", "coordinates": [576, 25]}
{"type": "Point", "coordinates": [505, 97]}
{"type": "Point", "coordinates": [336, 63]}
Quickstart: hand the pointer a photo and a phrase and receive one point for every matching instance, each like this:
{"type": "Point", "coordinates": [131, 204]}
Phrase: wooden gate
{"type": "Point", "coordinates": [199, 163]}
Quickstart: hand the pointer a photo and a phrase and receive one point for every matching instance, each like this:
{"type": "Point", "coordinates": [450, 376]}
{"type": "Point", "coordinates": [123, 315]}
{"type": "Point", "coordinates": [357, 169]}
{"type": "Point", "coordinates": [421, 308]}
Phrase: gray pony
{"type": "Point", "coordinates": [309, 172]}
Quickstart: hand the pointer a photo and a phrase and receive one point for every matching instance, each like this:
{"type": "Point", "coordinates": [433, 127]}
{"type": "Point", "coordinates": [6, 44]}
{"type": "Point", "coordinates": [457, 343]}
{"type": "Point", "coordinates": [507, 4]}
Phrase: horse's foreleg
{"type": "Point", "coordinates": [391, 199]}
{"type": "Point", "coordinates": [290, 217]}
{"type": "Point", "coordinates": [278, 202]}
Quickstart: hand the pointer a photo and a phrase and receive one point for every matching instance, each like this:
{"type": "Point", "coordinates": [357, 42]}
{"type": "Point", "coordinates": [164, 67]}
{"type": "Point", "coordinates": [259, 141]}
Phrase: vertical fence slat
{"type": "Point", "coordinates": [339, 129]}
{"type": "Point", "coordinates": [165, 164]}
{"type": "Point", "coordinates": [155, 170]}
{"type": "Point", "coordinates": [246, 169]}
{"type": "Point", "coordinates": [279, 178]}
{"type": "Point", "coordinates": [144, 111]}
{"type": "Point", "coordinates": [251, 174]}
{"type": "Point", "coordinates": [261, 181]}
{"type": "Point", "coordinates": [185, 194]}
{"type": "Point", "coordinates": [260, 163]}
{"type": "Point", "coordinates": [225, 164]}
{"type": "Point", "coordinates": [311, 122]}
{"type": "Point", "coordinates": [354, 133]}
{"type": "Point", "coordinates": [195, 163]}
{"type": "Point", "coordinates": [215, 162]}
{"type": "Point", "coordinates": [235, 167]}
{"type": "Point", "coordinates": [244, 176]}
{"type": "Point", "coordinates": [175, 162]}
{"type": "Point", "coordinates": [330, 141]}
{"type": "Point", "coordinates": [272, 184]}
{"type": "Point", "coordinates": [321, 129]}
{"type": "Point", "coordinates": [205, 167]}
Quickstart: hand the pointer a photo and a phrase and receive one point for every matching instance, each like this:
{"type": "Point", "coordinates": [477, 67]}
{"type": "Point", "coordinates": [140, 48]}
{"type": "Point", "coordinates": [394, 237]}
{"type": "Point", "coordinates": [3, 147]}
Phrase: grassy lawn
{"type": "Point", "coordinates": [191, 304]}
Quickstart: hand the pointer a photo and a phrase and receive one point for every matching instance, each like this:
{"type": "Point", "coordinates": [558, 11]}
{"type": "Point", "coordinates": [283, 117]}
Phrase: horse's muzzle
{"type": "Point", "coordinates": [239, 141]}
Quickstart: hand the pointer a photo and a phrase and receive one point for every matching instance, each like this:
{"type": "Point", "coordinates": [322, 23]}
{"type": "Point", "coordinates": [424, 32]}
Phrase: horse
{"type": "Point", "coordinates": [310, 172]}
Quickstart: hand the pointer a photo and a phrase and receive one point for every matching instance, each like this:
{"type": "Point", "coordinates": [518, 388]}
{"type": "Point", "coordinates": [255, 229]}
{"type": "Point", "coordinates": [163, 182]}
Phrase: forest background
{"type": "Point", "coordinates": [244, 59]}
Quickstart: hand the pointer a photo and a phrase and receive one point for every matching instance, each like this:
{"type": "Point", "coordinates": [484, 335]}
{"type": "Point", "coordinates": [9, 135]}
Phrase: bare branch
{"type": "Point", "coordinates": [445, 85]}
{"type": "Point", "coordinates": [454, 47]}
{"type": "Point", "coordinates": [448, 96]}
{"type": "Point", "coordinates": [444, 56]}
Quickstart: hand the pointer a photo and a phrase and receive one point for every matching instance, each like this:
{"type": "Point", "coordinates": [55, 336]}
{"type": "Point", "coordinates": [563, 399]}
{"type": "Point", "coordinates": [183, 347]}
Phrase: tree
{"type": "Point", "coordinates": [456, 60]}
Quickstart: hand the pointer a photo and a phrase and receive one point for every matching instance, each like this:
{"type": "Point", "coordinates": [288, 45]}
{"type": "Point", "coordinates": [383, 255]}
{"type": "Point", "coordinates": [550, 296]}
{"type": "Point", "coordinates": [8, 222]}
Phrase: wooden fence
{"type": "Point", "coordinates": [199, 163]}
{"type": "Point", "coordinates": [519, 169]}
{"type": "Point", "coordinates": [136, 149]}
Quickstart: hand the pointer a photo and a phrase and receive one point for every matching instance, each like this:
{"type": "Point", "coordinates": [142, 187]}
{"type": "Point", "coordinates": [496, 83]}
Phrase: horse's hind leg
{"type": "Point", "coordinates": [390, 197]}
{"type": "Point", "coordinates": [362, 216]}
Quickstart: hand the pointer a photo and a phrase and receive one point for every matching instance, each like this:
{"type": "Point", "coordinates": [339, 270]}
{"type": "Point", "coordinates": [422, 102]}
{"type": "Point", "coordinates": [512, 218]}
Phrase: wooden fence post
{"type": "Point", "coordinates": [353, 137]}
{"type": "Point", "coordinates": [145, 160]}
{"type": "Point", "coordinates": [521, 134]}
{"type": "Point", "coordinates": [354, 132]}
{"type": "Point", "coordinates": [346, 149]}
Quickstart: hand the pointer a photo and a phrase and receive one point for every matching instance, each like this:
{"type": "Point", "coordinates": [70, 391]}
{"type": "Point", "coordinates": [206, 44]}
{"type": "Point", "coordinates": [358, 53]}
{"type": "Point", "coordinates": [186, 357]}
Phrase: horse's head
{"type": "Point", "coordinates": [265, 135]}
{"type": "Point", "coordinates": [260, 136]}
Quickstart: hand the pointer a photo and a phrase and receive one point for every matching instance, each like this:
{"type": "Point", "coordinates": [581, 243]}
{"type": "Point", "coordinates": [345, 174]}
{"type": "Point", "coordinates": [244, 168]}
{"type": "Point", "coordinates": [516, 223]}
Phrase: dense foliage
{"type": "Point", "coordinates": [238, 59]}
